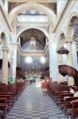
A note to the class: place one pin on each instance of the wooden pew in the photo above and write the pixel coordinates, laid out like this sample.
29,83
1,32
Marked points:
8,100
62,96
74,111
67,104
3,107
11,94
8,96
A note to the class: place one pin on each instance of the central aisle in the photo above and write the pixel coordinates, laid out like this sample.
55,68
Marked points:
31,104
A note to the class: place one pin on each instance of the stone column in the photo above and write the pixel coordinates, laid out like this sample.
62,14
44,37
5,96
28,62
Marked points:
14,61
53,61
70,61
5,66
60,62
69,56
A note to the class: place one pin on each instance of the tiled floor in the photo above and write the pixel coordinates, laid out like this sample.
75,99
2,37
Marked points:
32,104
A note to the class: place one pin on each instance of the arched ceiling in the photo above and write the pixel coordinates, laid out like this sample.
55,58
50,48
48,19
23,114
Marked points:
36,7
73,20
14,4
39,36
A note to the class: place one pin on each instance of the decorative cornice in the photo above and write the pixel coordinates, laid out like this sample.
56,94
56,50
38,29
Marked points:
5,49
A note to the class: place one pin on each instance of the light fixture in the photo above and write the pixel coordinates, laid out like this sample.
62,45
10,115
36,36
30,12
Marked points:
62,50
43,60
28,60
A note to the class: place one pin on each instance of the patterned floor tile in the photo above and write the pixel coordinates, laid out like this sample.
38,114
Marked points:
32,104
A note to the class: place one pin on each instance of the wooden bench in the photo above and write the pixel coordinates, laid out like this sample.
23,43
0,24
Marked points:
3,107
67,104
74,111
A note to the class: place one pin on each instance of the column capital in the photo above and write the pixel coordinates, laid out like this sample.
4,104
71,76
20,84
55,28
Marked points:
68,38
15,45
70,42
5,49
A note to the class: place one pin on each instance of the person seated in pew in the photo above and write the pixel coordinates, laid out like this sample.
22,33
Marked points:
71,90
76,92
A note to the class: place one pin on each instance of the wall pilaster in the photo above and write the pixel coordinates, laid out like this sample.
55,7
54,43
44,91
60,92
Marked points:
60,62
53,59
13,58
70,60
5,66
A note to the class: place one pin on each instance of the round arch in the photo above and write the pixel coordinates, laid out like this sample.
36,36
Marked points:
69,19
3,32
22,30
59,38
32,5
3,38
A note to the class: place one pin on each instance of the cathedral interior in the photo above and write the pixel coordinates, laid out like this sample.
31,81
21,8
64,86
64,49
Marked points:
38,59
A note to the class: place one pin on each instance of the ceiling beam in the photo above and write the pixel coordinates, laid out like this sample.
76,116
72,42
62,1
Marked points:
41,1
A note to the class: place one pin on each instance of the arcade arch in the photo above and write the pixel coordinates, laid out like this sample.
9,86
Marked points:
37,63
41,29
36,6
4,58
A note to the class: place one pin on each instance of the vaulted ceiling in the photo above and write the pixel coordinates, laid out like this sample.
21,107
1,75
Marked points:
39,37
52,5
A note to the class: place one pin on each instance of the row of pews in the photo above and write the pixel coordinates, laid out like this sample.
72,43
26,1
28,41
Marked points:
8,95
62,96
